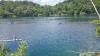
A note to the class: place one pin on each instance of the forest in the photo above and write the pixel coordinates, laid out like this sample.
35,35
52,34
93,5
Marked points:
31,9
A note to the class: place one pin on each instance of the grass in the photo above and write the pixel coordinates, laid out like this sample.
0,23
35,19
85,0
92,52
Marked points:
98,31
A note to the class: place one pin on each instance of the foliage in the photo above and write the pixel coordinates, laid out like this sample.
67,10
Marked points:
21,51
66,8
4,51
77,7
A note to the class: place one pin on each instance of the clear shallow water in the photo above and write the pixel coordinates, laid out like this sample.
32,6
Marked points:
51,36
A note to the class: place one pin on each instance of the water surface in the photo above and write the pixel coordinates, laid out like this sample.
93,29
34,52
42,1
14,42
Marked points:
51,36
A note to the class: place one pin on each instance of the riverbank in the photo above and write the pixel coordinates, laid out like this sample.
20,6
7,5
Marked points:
97,22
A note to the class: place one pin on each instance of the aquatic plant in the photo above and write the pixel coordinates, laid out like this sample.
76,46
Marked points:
21,50
4,51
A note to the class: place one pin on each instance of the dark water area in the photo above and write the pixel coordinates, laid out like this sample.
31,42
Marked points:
51,36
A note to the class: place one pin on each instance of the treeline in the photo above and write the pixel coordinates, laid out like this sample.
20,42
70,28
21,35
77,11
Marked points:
66,8
76,8
19,9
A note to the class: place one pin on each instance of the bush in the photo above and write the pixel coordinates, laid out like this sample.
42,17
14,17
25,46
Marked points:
4,51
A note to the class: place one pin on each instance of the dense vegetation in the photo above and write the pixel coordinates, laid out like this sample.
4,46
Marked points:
4,51
66,8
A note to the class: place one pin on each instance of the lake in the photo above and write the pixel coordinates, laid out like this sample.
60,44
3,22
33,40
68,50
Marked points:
51,36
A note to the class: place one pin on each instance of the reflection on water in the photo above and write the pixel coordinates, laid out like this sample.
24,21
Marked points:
51,36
